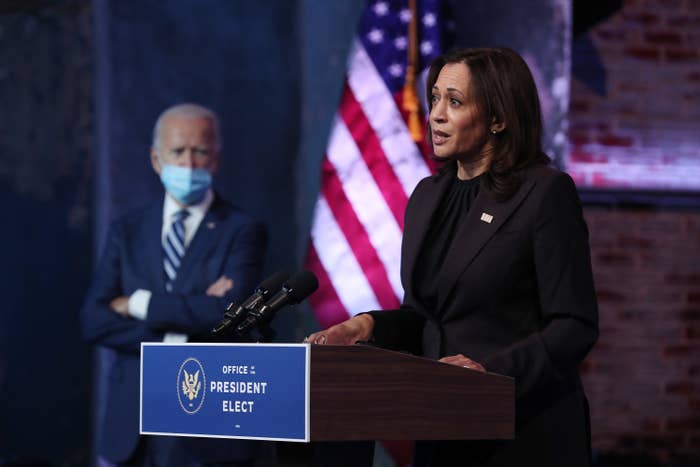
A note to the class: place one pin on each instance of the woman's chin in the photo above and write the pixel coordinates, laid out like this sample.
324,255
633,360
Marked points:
441,156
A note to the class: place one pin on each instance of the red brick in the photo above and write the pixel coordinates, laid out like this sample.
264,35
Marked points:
632,314
672,38
681,387
583,156
633,87
692,332
677,351
657,225
616,140
644,53
648,442
693,442
579,139
629,241
601,180
669,4
610,296
681,55
611,35
684,21
610,258
651,425
577,105
692,278
692,225
683,424
646,19
689,314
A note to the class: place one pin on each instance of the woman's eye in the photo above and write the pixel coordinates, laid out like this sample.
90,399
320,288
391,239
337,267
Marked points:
454,101
433,98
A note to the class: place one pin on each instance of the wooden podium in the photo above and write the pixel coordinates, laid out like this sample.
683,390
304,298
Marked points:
305,392
360,392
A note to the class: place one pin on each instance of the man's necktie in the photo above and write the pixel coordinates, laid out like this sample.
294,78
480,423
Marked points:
174,248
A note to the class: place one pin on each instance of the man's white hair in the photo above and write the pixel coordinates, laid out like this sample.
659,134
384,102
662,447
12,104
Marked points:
188,110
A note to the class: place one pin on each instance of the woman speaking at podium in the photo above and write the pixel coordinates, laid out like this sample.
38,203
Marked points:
495,264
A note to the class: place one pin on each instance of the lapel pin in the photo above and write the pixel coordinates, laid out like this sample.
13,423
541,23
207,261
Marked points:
486,217
211,225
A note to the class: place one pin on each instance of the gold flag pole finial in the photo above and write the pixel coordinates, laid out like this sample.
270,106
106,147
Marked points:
410,99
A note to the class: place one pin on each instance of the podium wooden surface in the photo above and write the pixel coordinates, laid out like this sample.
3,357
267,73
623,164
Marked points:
361,392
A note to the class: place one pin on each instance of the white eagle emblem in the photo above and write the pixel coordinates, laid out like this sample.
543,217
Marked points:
191,385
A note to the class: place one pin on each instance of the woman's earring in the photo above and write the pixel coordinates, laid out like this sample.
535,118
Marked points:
493,131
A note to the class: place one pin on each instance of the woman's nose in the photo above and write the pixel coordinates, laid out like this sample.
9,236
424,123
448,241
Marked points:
437,112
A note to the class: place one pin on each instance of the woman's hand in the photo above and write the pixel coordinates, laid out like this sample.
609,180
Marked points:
461,360
348,332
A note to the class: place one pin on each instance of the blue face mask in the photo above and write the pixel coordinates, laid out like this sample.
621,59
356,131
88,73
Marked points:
185,184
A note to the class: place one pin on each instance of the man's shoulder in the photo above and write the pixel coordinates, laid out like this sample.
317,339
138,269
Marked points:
232,215
229,212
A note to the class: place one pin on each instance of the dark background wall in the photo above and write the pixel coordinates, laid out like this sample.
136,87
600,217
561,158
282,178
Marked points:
81,83
46,159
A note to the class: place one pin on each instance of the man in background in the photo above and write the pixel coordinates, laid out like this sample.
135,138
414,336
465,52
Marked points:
166,274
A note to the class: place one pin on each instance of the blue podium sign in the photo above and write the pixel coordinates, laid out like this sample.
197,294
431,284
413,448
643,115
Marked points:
247,391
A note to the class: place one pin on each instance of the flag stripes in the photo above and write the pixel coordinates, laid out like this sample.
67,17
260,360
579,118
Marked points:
371,167
357,239
361,190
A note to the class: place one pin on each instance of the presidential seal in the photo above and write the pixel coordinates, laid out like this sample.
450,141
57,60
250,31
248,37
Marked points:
191,382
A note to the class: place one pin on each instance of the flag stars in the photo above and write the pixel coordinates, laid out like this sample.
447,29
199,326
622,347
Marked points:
401,43
395,70
426,47
375,36
380,8
429,20
405,15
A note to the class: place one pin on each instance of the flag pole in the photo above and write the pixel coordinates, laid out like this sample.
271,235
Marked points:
410,99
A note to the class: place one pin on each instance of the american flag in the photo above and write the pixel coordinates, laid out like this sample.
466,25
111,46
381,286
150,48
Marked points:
375,156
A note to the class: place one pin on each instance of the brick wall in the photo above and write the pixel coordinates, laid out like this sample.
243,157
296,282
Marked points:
636,104
643,376
635,107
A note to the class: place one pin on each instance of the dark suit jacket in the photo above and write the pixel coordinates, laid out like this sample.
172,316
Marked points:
515,294
227,242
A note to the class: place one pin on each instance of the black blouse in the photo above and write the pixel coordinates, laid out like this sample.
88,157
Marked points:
453,208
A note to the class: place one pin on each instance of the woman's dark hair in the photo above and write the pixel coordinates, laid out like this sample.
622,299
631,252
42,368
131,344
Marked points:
504,92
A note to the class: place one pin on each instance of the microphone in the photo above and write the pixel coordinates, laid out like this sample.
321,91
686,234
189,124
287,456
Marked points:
296,289
235,316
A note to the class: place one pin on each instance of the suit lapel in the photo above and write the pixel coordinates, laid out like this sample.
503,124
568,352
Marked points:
152,246
204,240
484,219
419,223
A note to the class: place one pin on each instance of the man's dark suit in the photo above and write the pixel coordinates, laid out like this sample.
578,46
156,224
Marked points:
515,294
228,243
